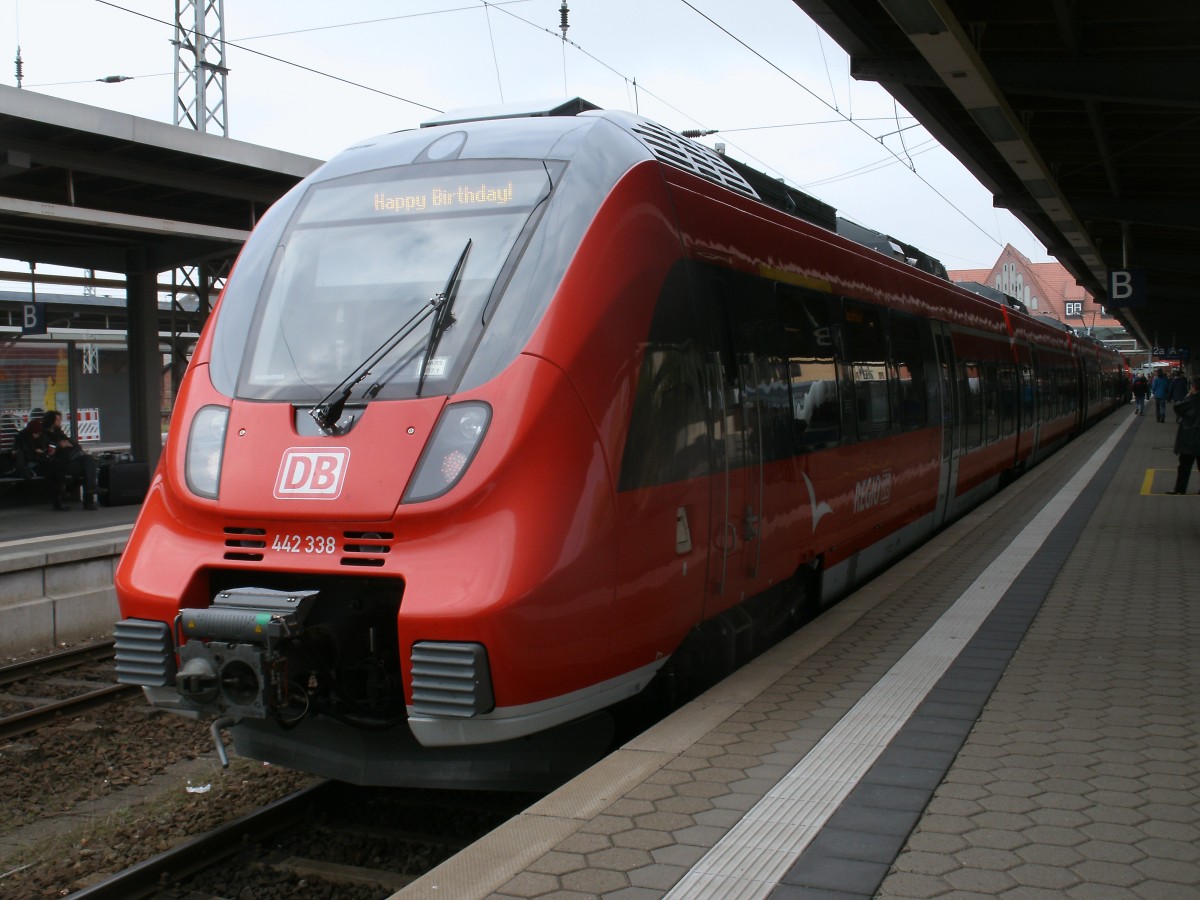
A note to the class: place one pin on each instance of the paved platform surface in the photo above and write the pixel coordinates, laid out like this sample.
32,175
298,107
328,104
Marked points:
1011,711
36,519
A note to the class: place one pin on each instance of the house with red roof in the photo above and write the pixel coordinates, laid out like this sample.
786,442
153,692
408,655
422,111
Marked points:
1046,289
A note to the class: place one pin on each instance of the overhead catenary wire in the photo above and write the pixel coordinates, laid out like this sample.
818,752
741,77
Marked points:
495,58
637,87
278,59
842,117
332,25
865,169
816,122
316,28
107,79
846,118
828,74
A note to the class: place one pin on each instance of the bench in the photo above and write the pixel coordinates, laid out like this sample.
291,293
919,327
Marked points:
11,484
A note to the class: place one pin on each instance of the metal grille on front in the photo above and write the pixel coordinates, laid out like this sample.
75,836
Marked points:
451,680
241,543
364,549
145,653
684,153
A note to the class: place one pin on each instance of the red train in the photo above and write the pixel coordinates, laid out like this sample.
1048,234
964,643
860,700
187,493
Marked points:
501,420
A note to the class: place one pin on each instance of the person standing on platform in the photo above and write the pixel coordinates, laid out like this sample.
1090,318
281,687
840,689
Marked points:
1187,438
1141,387
1160,387
1179,387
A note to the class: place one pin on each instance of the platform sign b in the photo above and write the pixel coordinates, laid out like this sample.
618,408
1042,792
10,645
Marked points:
33,318
1126,287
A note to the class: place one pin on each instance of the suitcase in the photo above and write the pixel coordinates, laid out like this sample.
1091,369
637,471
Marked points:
123,483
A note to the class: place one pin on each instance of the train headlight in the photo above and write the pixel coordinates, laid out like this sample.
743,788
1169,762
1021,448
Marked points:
451,447
205,447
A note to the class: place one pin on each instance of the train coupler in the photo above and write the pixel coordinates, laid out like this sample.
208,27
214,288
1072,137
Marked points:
233,654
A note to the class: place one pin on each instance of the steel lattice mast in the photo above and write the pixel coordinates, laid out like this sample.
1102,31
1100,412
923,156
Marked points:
200,69
200,74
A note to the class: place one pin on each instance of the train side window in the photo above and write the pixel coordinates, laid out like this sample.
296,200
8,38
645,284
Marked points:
729,420
812,367
1008,399
865,346
973,402
668,436
908,368
991,402
1026,396
763,371
1045,394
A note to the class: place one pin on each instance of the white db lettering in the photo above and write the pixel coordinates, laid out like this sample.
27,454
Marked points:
307,474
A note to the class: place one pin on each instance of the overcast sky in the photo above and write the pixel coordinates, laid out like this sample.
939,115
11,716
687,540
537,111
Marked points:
760,71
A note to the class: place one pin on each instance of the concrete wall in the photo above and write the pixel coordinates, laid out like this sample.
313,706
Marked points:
62,594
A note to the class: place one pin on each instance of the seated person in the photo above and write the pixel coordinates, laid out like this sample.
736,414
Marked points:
28,453
66,459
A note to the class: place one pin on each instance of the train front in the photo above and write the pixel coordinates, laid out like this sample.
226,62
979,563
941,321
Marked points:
347,554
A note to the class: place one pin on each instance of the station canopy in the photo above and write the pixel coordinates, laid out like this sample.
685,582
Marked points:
1082,118
89,188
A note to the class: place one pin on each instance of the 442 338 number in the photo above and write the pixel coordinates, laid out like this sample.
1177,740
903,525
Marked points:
303,543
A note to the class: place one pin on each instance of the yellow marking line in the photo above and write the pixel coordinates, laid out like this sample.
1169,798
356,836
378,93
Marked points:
1148,482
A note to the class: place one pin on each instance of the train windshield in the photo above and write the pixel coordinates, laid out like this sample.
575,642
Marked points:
367,256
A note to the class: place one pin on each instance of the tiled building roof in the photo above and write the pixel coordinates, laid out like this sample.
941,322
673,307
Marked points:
1046,289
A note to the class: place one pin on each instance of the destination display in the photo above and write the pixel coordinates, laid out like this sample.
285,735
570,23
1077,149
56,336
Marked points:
437,196
451,192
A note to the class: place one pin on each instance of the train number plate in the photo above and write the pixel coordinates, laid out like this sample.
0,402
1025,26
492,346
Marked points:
304,543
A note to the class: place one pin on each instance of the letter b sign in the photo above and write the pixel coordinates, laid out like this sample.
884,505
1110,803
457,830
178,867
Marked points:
33,318
1126,287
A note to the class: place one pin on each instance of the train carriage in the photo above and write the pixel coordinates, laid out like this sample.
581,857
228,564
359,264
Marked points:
501,421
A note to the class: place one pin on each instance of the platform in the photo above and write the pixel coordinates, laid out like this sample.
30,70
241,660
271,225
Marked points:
56,572
1013,710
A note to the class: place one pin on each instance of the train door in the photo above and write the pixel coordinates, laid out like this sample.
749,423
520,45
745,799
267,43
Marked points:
949,417
751,426
1027,408
754,381
1038,400
737,476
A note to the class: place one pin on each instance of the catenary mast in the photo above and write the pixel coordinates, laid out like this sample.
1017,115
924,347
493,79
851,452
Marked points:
200,75
200,69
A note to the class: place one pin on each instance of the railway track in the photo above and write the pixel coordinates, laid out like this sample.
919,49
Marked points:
37,691
369,843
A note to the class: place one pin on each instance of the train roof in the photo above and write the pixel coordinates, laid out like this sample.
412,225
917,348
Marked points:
890,246
527,110
994,295
1054,323
556,128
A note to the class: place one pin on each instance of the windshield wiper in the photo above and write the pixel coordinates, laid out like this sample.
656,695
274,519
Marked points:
443,319
327,414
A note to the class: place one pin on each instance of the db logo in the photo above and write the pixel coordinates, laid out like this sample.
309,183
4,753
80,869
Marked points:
308,474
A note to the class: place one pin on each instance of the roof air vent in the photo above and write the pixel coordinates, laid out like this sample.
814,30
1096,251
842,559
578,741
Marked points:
682,153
